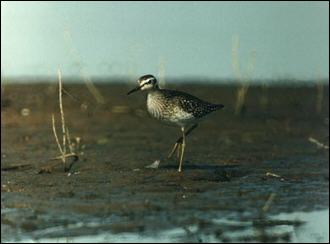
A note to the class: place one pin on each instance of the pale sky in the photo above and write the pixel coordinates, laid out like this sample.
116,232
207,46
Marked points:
179,39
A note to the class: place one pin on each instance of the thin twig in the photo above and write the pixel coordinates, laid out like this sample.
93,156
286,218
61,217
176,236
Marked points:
273,175
319,97
243,89
270,174
69,140
70,95
65,156
269,202
74,52
62,114
318,144
56,138
92,88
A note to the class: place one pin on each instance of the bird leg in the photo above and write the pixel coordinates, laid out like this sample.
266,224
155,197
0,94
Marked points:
178,151
178,142
183,145
175,147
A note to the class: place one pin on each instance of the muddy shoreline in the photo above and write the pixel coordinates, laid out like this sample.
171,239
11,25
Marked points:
234,165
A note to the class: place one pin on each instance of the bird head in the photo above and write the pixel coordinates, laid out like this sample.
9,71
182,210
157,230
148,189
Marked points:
146,82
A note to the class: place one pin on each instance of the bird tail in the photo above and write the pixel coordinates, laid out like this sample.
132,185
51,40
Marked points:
214,107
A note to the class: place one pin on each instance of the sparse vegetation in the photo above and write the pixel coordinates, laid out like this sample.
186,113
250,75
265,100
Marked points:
67,148
244,78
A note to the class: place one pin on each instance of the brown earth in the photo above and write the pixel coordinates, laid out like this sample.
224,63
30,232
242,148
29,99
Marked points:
233,163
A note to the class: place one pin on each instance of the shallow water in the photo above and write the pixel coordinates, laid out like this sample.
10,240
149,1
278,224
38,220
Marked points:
297,227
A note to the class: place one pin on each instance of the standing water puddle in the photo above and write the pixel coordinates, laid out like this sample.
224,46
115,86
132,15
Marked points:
292,227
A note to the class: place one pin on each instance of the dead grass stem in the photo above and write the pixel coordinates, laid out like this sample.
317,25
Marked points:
66,141
243,78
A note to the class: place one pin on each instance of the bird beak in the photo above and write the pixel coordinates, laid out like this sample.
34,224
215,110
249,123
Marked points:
134,90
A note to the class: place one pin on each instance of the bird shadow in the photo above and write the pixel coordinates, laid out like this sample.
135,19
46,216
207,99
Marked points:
199,166
209,172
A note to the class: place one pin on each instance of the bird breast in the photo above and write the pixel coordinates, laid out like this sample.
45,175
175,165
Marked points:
156,106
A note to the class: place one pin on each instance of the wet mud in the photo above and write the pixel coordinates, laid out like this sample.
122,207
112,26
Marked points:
238,172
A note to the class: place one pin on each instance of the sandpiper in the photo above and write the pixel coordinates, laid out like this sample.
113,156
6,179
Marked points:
174,107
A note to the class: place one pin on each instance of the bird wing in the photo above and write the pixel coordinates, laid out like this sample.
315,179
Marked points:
190,103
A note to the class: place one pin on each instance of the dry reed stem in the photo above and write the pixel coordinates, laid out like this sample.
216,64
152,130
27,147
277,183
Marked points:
64,156
62,114
241,91
240,100
56,139
319,98
319,93
69,140
318,144
66,141
92,89
269,202
74,52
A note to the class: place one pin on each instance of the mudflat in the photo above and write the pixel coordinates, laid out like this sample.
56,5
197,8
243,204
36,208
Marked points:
239,169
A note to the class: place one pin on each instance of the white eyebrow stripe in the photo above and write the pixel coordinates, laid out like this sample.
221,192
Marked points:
146,81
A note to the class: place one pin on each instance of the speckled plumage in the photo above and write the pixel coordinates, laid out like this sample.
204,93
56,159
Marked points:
177,107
